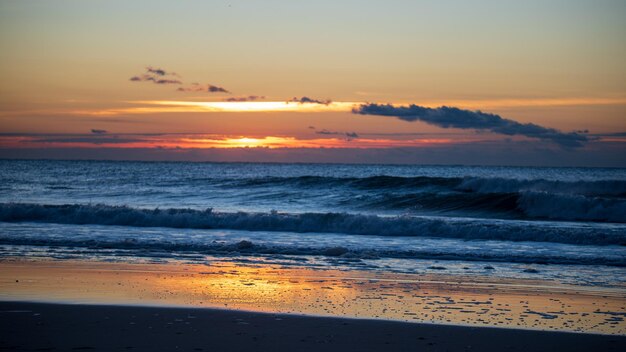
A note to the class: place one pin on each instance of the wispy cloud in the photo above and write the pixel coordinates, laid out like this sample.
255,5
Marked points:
155,80
327,132
196,87
348,135
161,76
307,100
157,76
160,72
451,117
248,98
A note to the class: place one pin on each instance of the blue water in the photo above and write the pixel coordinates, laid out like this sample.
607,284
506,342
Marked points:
563,224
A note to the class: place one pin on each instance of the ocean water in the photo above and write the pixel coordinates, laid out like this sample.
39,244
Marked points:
562,224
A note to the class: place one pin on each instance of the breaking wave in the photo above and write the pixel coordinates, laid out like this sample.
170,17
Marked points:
346,223
611,188
603,201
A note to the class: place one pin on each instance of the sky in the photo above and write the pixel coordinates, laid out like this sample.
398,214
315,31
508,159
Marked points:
537,83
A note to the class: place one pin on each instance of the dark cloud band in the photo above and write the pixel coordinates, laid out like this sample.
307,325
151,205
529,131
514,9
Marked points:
451,117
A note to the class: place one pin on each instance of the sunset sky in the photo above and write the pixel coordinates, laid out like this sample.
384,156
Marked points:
522,82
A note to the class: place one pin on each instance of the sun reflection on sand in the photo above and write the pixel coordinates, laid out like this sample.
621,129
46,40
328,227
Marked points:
254,288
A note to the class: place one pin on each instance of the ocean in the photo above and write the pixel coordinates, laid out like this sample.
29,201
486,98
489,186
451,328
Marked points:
566,225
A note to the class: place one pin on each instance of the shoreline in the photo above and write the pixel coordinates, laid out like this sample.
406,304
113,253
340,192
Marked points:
432,299
48,326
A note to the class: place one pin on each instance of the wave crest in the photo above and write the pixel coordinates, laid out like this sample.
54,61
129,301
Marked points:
357,224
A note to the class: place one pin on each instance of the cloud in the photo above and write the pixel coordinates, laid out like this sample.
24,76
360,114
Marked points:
95,131
167,81
86,140
156,76
155,80
451,117
349,135
248,98
327,132
215,89
160,72
307,100
196,87
161,76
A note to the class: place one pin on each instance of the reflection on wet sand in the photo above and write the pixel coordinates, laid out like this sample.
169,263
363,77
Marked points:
360,294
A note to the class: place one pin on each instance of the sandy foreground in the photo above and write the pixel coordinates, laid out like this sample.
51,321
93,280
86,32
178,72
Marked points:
226,306
59,327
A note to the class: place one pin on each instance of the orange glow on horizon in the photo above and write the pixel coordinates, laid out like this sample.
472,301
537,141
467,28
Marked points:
217,142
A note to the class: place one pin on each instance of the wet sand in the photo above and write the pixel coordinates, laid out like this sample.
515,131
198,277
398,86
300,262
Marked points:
60,327
439,299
